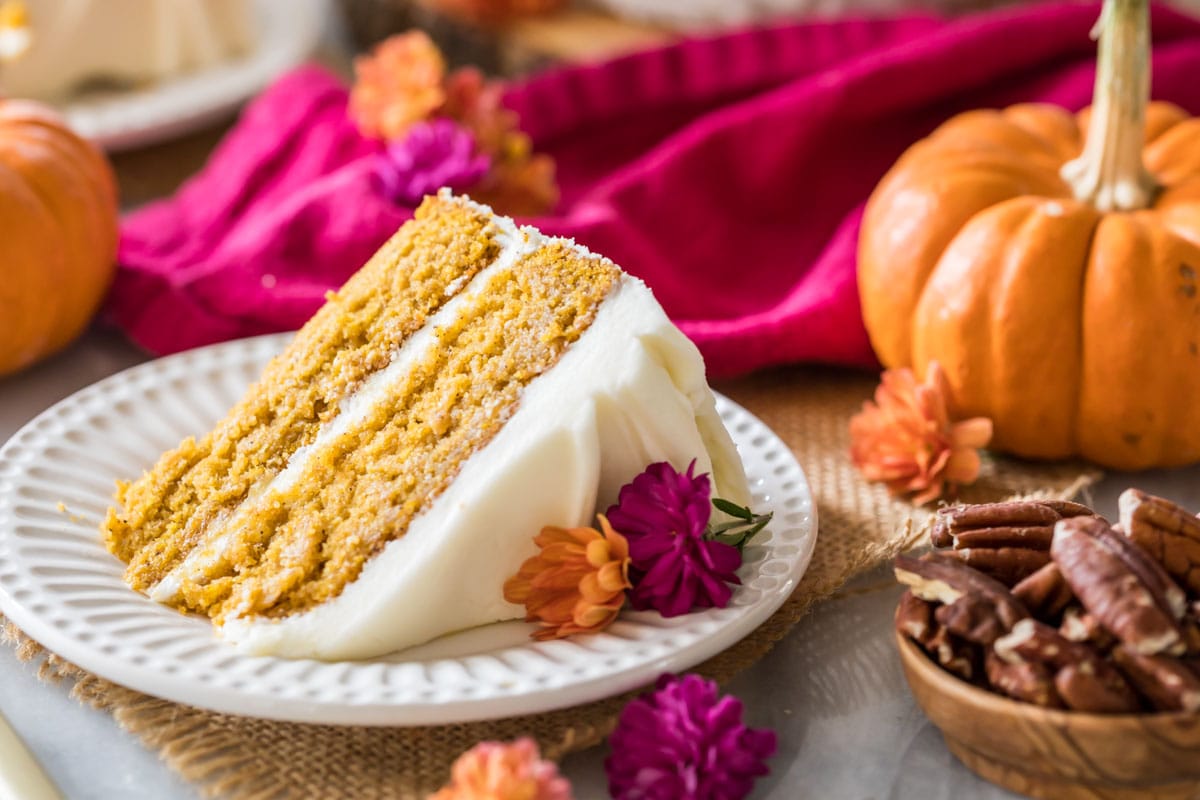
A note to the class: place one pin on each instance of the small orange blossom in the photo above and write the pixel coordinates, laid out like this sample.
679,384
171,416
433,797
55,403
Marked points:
400,83
907,440
15,36
498,771
478,104
523,184
576,584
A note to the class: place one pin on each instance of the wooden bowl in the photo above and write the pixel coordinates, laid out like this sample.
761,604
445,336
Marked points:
1064,755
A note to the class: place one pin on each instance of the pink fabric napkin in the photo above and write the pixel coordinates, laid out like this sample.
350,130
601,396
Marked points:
729,173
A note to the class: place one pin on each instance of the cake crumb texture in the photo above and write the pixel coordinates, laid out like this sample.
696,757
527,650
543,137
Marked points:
161,516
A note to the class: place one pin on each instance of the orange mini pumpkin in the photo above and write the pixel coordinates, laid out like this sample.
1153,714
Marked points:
1050,263
58,233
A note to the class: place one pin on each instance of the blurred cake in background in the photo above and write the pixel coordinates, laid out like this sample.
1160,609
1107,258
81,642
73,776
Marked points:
77,43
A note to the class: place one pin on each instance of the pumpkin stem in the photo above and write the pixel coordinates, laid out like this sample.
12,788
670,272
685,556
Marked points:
1109,173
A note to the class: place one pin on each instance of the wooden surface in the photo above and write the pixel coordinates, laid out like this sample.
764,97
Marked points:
1057,755
157,171
574,36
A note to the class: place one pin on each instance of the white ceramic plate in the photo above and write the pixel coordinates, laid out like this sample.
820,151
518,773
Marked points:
60,585
288,32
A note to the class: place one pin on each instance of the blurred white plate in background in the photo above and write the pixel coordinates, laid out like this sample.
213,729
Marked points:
288,33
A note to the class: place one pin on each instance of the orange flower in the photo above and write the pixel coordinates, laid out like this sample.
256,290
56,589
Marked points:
15,36
576,584
397,85
477,104
497,771
906,439
520,182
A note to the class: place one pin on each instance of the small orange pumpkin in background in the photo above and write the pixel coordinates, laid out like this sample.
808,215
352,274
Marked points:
1050,263
58,233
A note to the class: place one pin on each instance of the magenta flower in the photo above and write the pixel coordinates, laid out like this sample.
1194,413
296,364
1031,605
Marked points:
683,742
664,515
431,155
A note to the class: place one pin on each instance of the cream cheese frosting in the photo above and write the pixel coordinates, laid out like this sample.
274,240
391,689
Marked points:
630,392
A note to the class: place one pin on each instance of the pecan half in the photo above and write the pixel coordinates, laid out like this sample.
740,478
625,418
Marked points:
1191,634
1009,565
1036,538
1021,523
1034,641
914,618
956,656
1167,683
1045,593
937,577
1079,626
972,617
1083,689
959,518
1119,585
1152,575
1166,531
1090,682
1029,682
1068,508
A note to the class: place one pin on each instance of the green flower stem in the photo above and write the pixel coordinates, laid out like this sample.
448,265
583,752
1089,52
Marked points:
738,532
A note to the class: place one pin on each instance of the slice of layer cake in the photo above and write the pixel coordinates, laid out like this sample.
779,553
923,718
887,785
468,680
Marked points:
473,383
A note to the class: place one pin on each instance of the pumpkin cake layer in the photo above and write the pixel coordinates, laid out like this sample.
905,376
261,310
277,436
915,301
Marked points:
517,381
300,543
166,513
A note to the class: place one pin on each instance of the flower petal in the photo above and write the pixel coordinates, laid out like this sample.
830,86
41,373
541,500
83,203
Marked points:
975,432
906,439
684,741
963,466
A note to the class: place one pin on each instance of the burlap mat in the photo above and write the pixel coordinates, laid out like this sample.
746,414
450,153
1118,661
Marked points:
860,526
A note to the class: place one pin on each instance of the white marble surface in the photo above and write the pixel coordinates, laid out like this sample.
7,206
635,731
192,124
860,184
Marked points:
832,689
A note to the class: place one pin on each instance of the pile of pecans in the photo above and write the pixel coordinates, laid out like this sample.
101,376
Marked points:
1045,602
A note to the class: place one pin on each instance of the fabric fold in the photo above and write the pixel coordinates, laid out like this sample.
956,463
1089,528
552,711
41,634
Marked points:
729,173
